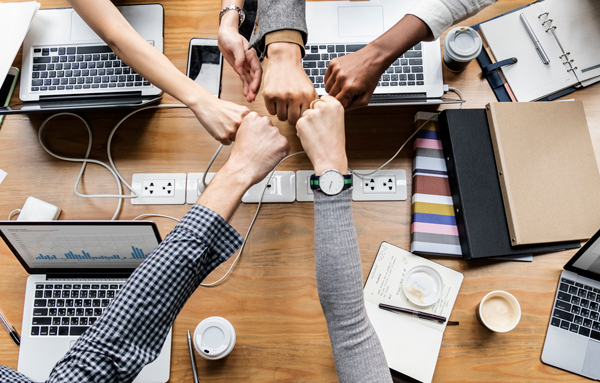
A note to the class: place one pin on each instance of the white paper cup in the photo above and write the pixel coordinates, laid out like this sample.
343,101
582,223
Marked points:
461,46
499,311
214,338
426,282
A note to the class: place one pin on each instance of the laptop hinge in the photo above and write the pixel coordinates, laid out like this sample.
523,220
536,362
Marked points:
398,96
88,275
91,96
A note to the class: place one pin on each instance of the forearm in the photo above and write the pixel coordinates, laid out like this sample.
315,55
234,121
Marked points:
356,349
105,19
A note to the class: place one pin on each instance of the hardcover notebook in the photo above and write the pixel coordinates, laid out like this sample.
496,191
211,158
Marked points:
569,33
547,170
476,193
411,345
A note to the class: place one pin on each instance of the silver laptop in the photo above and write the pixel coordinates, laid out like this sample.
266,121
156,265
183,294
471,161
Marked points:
77,268
337,28
573,337
67,66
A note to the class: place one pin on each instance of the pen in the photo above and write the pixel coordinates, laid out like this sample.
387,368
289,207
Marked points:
11,330
418,314
192,358
536,42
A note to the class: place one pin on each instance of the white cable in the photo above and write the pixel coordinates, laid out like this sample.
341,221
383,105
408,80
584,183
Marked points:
155,215
361,175
210,164
112,168
12,213
251,224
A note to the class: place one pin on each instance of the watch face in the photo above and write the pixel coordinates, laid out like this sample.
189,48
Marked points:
331,182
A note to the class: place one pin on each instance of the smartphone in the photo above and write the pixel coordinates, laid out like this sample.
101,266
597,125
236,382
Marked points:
205,64
8,87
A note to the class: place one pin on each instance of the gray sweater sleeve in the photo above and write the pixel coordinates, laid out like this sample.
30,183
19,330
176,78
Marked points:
356,349
276,15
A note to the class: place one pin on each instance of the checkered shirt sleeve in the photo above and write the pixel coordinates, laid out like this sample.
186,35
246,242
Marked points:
131,332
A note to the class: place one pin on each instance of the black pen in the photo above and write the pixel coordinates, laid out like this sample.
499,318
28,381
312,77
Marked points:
11,330
418,314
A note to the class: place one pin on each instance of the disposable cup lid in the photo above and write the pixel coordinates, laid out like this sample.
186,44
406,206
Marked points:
214,338
463,44
428,280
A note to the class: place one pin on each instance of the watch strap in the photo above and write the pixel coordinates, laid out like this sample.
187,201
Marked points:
314,182
232,7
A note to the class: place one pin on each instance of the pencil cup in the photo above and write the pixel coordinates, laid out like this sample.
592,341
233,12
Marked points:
461,46
214,338
499,311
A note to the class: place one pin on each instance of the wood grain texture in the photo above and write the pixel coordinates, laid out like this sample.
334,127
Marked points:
271,297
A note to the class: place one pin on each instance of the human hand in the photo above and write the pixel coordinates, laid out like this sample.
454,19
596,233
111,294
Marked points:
287,90
352,78
234,48
321,131
259,146
220,118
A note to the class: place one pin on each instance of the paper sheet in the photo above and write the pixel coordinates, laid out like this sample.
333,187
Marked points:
15,19
2,175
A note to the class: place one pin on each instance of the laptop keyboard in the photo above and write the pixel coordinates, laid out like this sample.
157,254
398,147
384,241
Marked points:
62,309
577,309
56,69
407,70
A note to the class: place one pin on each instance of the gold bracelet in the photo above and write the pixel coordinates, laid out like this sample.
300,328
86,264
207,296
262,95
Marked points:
233,8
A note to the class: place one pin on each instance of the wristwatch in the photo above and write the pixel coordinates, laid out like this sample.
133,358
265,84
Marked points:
331,182
233,8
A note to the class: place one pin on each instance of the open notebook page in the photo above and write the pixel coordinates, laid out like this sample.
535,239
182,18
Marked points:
578,30
529,78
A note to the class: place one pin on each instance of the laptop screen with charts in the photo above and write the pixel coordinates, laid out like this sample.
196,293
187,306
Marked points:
66,66
77,268
338,28
573,337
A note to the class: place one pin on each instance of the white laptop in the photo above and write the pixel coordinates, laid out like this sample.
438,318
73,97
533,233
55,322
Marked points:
338,28
67,66
77,268
573,337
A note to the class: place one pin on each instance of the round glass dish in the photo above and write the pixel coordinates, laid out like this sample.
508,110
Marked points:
423,285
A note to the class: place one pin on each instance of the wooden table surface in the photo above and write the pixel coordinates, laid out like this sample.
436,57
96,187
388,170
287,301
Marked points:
271,297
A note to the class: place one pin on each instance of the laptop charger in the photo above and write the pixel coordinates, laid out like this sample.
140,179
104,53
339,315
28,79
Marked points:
38,210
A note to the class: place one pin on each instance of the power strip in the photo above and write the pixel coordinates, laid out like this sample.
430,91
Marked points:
159,188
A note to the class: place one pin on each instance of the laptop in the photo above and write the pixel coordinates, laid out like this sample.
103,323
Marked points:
573,337
77,268
337,28
66,66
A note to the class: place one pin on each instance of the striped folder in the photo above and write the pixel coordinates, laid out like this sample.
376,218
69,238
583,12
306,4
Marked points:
433,229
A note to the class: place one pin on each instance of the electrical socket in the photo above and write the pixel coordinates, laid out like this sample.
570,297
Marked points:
195,187
159,188
385,185
303,191
281,188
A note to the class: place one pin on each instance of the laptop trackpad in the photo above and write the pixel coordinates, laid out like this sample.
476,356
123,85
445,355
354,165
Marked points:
591,367
80,30
360,21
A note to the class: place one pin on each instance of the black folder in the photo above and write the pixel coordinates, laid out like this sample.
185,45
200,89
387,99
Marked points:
476,193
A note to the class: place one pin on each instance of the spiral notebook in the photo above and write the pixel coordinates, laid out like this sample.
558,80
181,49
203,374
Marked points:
569,33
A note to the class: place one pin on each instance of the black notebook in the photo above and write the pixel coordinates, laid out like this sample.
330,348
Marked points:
476,193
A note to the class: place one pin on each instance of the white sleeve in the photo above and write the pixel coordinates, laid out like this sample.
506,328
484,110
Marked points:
439,15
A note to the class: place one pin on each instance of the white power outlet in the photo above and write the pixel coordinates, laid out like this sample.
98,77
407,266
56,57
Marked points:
281,188
385,185
195,187
159,188
303,191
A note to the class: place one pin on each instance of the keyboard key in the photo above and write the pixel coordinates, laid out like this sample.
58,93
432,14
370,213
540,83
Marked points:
38,293
565,325
591,296
594,315
330,48
573,290
60,303
63,81
567,281
406,69
42,60
398,69
74,321
419,76
585,303
40,67
579,284
314,72
574,328
417,47
389,70
354,47
555,322
582,293
48,82
39,303
116,64
595,335
108,64
576,310
79,312
340,48
412,54
411,77
77,330
312,57
89,312
587,287
45,52
83,321
52,88
56,321
594,306
39,321
78,302
415,62
51,303
578,320
62,331
562,315
416,69
112,56
100,64
75,294
35,330
322,72
305,65
65,321
87,303
97,312
53,330
71,312
332,56
44,330
587,323
585,313
40,312
321,64
596,326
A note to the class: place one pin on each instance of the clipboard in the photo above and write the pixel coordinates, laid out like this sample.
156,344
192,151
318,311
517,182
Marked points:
491,73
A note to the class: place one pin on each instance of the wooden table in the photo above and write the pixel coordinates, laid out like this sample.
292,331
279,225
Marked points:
271,297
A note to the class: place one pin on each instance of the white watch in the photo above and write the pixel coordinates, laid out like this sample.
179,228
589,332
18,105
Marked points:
331,182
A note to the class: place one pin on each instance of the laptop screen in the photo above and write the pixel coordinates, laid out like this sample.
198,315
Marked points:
80,245
587,260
